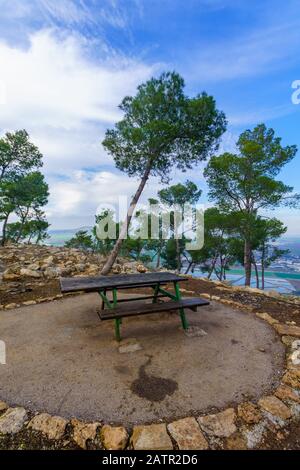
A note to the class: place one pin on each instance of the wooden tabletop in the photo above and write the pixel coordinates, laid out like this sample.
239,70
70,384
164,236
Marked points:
90,284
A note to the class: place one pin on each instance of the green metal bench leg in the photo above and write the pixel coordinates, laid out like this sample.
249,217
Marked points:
184,321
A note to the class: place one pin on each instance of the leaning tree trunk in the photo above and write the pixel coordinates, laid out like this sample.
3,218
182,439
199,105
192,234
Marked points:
189,267
3,241
247,262
123,232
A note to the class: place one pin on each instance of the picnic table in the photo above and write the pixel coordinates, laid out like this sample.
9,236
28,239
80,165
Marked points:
112,284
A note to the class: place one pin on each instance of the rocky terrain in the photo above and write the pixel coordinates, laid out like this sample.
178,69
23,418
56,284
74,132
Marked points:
29,272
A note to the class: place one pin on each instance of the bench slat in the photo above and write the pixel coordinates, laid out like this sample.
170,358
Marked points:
144,309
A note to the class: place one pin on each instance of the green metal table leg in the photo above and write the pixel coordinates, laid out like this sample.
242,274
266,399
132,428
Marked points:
117,329
118,321
106,302
184,321
156,290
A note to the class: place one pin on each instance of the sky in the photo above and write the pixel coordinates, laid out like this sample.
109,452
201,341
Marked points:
65,66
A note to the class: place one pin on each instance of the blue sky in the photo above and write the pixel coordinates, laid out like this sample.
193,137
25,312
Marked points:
65,66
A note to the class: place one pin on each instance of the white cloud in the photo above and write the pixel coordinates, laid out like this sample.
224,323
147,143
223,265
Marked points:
82,193
52,84
66,102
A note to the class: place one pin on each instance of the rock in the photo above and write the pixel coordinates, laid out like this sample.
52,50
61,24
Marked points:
275,406
3,406
295,357
141,268
272,293
10,306
254,435
292,378
114,438
205,296
29,273
12,420
10,277
29,302
66,271
129,345
48,261
288,340
187,434
215,297
249,412
266,317
51,273
52,426
287,330
33,267
117,269
286,394
151,437
221,424
295,344
83,432
194,331
252,290
236,442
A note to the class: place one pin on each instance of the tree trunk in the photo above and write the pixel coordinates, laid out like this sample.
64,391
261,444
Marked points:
23,220
189,267
158,259
263,269
247,262
123,232
212,267
4,231
178,254
256,274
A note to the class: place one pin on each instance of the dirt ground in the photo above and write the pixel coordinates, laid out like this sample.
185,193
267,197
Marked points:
62,359
284,311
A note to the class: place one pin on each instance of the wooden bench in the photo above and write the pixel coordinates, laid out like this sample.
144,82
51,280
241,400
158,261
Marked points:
144,309
105,284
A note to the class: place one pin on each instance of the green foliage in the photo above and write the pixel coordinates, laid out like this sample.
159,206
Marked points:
169,253
22,190
220,244
82,240
245,183
30,193
175,197
105,245
18,155
34,230
180,194
163,129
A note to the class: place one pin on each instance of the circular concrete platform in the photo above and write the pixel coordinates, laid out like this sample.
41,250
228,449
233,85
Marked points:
63,360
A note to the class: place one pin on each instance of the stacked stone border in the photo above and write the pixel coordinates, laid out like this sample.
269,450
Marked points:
242,427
